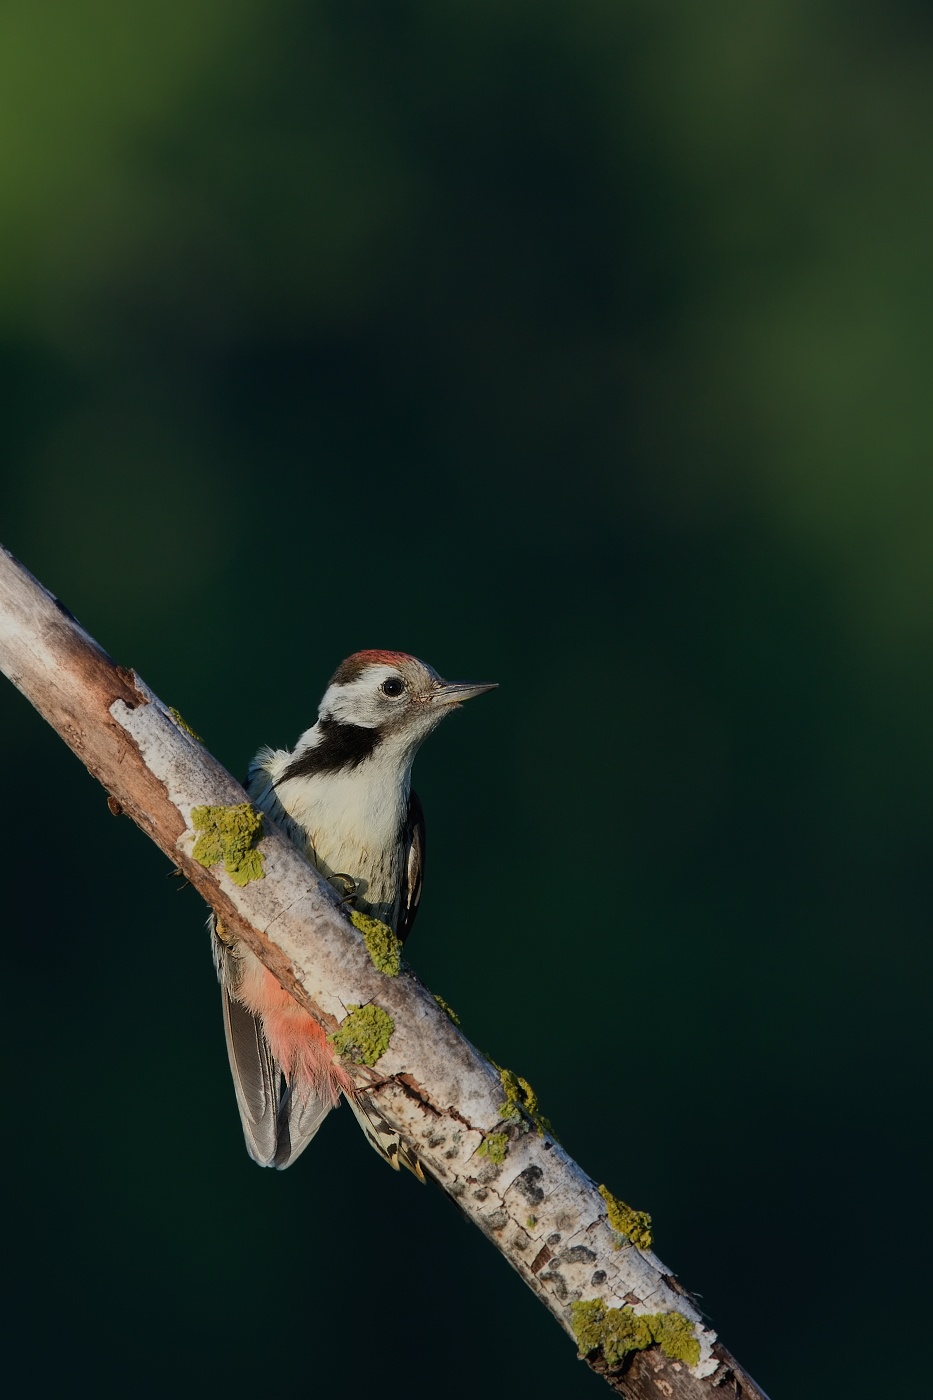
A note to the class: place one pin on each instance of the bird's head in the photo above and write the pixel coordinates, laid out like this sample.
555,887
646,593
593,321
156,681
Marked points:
379,706
392,693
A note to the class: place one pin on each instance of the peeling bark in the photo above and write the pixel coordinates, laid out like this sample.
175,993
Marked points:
431,1085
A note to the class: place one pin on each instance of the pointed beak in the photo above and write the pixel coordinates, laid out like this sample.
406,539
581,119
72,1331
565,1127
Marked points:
455,692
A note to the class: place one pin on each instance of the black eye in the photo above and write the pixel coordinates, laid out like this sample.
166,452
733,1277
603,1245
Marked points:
393,686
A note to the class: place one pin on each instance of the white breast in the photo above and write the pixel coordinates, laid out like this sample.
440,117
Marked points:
347,822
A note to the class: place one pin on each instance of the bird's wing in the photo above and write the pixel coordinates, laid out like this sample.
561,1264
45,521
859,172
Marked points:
256,1076
300,1116
381,1136
414,866
276,1125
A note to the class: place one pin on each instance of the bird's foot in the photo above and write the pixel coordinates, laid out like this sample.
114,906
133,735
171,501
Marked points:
349,886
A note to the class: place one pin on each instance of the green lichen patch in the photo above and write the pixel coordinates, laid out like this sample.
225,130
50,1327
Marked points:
381,943
521,1102
229,834
495,1146
676,1337
448,1009
635,1225
619,1331
183,725
364,1036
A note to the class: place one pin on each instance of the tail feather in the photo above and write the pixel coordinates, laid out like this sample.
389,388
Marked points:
256,1080
277,1124
279,1120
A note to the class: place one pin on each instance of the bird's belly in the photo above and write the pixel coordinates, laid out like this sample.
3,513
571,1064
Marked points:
351,828
375,873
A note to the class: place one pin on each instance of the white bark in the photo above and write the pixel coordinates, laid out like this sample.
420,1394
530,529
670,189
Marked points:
537,1206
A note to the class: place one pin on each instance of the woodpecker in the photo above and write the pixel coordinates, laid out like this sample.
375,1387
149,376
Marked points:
343,796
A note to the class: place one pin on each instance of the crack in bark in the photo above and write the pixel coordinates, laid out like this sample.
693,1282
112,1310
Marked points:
418,1094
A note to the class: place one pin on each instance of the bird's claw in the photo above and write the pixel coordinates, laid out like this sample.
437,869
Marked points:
350,887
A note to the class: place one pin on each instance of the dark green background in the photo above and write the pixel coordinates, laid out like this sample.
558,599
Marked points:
581,347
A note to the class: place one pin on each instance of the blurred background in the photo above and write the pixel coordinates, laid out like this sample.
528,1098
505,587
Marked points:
583,348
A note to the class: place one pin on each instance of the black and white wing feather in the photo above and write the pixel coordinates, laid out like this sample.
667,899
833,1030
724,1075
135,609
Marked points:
413,871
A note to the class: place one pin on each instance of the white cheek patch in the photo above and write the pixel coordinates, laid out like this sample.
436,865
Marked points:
361,702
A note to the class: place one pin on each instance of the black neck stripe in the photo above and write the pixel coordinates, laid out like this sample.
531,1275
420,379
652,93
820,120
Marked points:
340,746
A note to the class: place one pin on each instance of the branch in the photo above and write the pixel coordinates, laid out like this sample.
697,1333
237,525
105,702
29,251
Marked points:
474,1128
